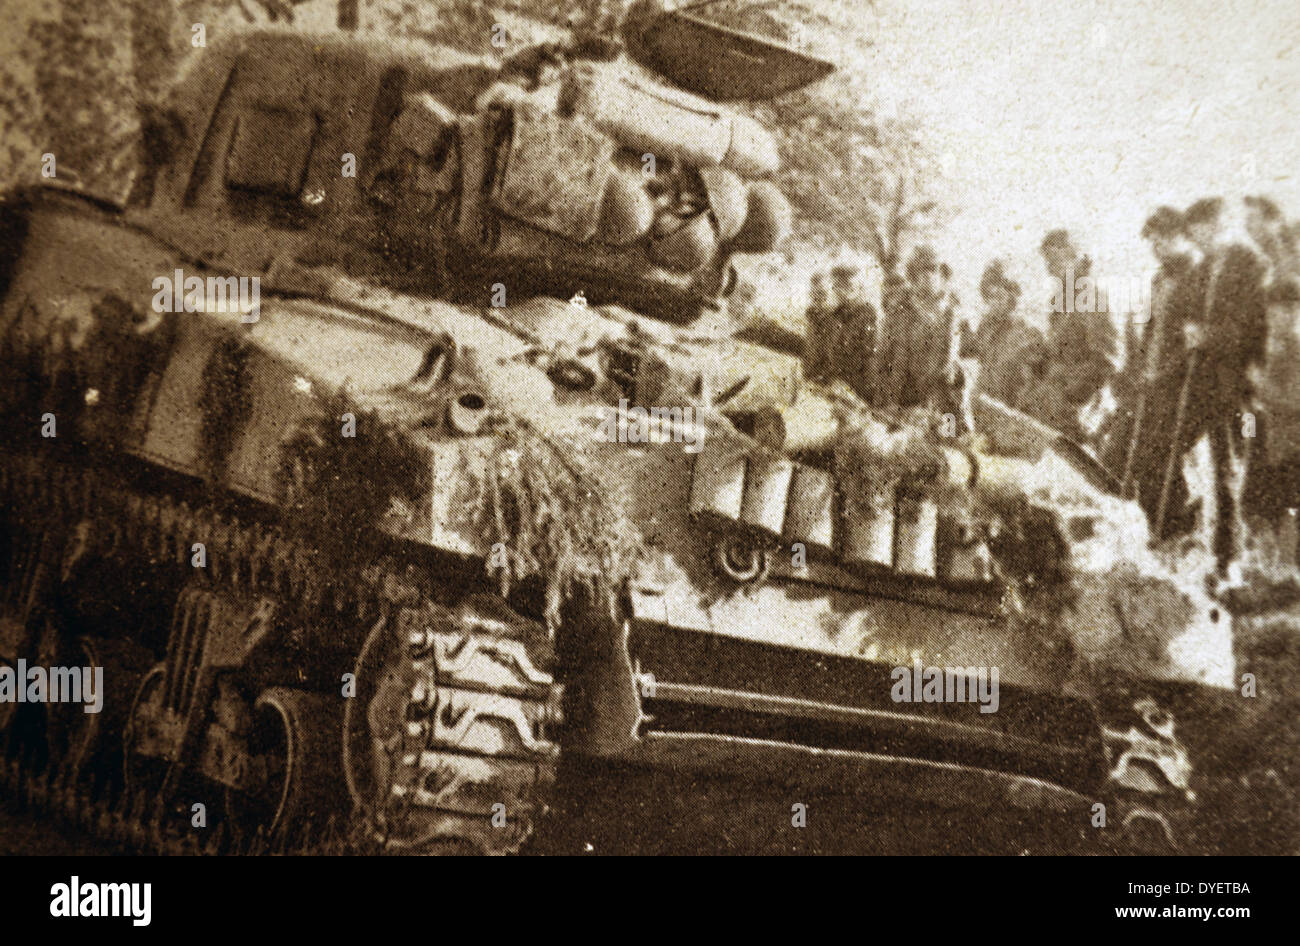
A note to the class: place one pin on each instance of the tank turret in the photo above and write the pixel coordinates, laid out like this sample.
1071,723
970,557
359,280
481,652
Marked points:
568,173
377,448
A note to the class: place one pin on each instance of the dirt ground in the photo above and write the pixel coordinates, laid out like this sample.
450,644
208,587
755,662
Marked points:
1247,781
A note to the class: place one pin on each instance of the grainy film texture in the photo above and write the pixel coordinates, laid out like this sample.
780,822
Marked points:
815,426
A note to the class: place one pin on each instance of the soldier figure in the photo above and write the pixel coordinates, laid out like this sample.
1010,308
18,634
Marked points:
1082,350
1228,328
855,322
1153,378
994,353
918,365
1273,483
820,335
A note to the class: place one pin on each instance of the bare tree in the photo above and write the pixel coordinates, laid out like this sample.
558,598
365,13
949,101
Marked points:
854,175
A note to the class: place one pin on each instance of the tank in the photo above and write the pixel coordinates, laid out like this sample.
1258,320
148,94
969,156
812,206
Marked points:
379,449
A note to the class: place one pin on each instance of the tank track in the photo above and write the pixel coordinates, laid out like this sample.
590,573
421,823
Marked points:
1149,782
472,761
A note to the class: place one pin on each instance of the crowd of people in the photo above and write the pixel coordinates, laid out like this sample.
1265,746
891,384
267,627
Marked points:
902,355
1208,370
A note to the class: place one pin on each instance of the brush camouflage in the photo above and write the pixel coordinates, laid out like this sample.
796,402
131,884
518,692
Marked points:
366,561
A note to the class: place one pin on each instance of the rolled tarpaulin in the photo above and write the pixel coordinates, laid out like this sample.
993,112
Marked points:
626,209
728,199
686,248
666,123
768,220
752,152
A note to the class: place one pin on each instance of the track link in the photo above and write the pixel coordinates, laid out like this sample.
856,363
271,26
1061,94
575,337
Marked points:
466,733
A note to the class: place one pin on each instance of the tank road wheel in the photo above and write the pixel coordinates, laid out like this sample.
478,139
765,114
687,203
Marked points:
374,728
295,742
32,728
141,773
88,744
446,742
71,732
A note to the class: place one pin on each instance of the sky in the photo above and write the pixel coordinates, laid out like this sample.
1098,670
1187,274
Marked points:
1089,114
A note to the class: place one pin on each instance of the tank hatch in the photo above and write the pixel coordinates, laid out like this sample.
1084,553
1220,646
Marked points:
688,45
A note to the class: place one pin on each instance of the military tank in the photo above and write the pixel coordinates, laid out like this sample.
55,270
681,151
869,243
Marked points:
379,449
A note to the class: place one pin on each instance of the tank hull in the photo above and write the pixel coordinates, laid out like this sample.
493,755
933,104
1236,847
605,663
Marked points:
373,555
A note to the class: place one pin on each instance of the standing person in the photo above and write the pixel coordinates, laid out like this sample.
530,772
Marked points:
820,336
1153,378
1273,483
954,389
918,365
1082,350
995,354
1228,327
855,323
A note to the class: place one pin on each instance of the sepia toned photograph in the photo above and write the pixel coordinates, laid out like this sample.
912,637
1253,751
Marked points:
649,427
